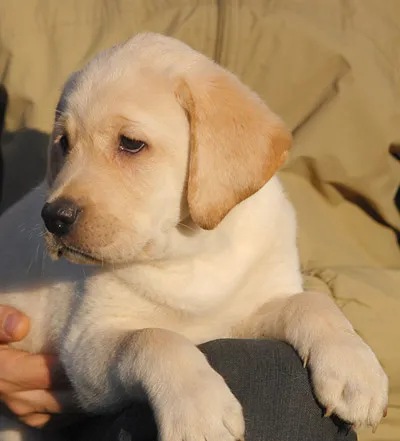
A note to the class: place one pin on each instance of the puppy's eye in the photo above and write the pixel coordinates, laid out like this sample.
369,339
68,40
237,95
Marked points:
131,145
64,144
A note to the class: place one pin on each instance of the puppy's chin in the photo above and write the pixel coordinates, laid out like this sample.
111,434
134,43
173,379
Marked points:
57,249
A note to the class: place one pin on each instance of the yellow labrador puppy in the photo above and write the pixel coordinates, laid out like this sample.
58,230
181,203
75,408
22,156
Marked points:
162,171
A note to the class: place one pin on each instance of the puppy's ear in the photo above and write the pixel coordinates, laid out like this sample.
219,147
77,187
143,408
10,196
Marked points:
237,144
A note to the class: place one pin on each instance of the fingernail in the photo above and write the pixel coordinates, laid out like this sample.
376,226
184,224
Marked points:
11,324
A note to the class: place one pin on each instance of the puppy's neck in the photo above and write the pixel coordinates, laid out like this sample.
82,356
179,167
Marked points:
200,270
248,223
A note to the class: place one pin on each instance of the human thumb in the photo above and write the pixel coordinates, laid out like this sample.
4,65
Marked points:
14,325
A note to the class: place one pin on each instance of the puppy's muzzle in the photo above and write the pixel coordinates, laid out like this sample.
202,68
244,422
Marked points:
60,216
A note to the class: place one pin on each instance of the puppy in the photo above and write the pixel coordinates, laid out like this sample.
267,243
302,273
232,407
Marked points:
162,174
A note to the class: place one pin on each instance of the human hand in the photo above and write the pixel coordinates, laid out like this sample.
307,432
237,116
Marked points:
33,387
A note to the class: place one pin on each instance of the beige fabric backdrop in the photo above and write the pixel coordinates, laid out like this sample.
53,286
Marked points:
330,68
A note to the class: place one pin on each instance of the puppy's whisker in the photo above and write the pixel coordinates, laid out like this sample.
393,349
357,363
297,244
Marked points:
33,231
43,263
33,259
37,252
28,270
21,228
181,224
37,228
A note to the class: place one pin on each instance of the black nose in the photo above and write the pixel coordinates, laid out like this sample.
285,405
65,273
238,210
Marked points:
59,216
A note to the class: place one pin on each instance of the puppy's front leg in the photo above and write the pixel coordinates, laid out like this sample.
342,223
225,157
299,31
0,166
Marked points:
190,400
347,377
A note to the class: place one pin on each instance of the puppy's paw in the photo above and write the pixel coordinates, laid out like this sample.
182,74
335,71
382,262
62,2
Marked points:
348,379
201,409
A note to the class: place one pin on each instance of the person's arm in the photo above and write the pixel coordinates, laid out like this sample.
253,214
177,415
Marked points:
33,387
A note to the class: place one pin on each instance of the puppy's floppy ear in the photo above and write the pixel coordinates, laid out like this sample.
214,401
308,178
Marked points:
237,144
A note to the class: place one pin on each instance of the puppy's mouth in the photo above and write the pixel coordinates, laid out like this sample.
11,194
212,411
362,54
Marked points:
77,256
58,248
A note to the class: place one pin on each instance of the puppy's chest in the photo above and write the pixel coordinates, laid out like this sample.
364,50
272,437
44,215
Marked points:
117,306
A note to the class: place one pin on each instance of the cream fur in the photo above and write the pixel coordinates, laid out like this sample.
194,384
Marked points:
166,284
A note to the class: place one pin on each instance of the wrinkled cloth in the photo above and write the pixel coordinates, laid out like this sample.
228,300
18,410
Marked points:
329,68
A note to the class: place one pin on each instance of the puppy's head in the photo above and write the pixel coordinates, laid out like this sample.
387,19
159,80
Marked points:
145,135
